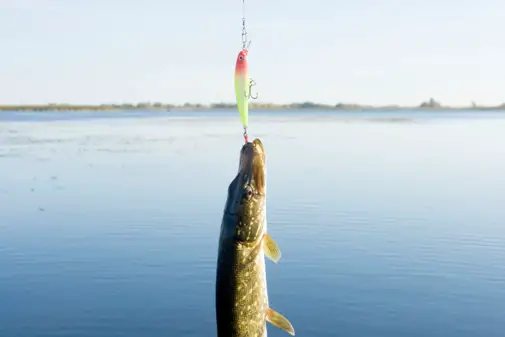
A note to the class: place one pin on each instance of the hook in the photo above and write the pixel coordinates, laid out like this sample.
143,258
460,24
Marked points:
252,83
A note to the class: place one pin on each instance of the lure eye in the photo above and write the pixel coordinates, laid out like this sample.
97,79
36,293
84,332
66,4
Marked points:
240,57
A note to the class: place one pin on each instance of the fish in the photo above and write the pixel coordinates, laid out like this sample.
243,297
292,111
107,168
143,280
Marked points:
242,87
242,305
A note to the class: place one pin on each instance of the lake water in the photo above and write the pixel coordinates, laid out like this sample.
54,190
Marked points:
390,223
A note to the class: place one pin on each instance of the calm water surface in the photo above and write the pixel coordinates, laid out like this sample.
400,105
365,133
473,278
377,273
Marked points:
390,223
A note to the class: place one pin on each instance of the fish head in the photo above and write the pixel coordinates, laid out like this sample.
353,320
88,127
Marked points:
246,201
242,59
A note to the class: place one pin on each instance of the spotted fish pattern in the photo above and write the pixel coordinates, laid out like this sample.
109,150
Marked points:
242,307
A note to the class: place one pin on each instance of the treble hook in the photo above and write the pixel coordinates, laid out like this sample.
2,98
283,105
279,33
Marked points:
252,83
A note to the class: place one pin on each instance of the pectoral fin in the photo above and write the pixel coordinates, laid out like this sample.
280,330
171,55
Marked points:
280,321
272,251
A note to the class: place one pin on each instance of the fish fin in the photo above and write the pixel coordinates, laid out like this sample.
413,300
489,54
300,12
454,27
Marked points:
280,321
272,251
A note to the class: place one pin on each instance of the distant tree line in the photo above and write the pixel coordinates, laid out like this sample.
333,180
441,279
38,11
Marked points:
429,104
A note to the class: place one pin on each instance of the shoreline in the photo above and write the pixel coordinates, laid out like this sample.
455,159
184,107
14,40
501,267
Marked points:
426,106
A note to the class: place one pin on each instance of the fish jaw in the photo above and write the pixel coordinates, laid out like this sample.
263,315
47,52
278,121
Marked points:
247,195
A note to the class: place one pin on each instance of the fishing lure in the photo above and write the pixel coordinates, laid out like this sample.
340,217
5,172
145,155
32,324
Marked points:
242,90
243,83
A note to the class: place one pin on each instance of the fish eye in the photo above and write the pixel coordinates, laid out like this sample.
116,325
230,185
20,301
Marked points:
248,192
241,57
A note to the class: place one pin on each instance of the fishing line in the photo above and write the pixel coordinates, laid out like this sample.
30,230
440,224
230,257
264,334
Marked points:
244,31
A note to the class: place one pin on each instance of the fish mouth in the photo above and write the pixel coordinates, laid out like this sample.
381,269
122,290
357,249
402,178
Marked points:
250,181
253,165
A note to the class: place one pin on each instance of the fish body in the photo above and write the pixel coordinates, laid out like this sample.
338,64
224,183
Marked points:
242,86
242,306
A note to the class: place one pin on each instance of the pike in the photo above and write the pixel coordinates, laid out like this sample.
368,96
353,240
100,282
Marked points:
242,307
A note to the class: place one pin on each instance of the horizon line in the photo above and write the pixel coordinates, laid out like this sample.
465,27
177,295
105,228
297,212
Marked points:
156,105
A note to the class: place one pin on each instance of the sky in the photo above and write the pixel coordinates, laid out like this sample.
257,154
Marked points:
326,51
